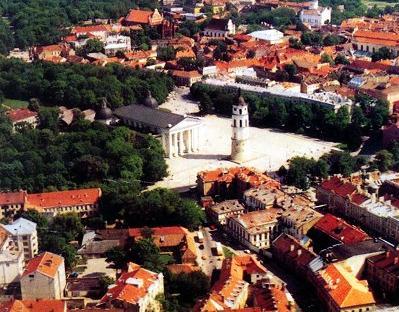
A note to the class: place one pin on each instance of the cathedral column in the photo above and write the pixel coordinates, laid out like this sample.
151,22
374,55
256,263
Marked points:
181,143
190,140
170,152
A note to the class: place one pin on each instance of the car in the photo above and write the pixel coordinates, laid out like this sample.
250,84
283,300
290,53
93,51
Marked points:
247,251
74,275
203,257
201,247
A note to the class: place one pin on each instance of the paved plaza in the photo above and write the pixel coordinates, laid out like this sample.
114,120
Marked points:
268,148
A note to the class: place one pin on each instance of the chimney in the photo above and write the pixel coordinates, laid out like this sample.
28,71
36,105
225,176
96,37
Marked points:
396,260
292,247
299,252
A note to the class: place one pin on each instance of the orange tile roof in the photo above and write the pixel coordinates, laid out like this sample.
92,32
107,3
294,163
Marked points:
46,263
185,74
139,16
13,198
382,38
344,288
42,201
89,29
128,292
20,114
33,306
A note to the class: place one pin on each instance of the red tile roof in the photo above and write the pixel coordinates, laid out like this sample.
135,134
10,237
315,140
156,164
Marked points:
340,230
46,263
63,198
89,29
20,114
15,198
33,306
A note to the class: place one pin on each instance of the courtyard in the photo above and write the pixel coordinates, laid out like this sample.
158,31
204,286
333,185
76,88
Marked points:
268,148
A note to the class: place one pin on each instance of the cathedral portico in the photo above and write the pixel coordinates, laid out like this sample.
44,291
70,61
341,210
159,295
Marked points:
178,142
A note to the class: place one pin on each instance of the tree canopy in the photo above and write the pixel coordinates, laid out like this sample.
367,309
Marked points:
77,85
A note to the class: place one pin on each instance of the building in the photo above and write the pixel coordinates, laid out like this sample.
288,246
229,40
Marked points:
44,277
377,213
315,16
298,220
288,251
270,36
141,17
11,259
117,43
240,136
185,78
135,290
232,182
174,240
230,292
24,234
382,272
22,116
340,290
221,211
179,134
256,229
331,230
84,202
33,306
11,202
371,41
99,32
220,28
260,198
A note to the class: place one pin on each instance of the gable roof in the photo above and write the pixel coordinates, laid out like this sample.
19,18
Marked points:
344,288
149,116
41,305
41,201
12,198
340,230
21,226
20,114
46,263
217,24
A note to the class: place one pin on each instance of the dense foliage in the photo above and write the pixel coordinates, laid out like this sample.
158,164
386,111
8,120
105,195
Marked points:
291,115
45,21
55,235
152,208
87,154
82,86
279,17
302,171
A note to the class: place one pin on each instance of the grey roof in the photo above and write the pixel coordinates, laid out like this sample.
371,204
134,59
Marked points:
343,251
21,226
149,116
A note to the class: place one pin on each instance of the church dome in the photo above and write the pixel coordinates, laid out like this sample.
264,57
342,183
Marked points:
150,101
104,113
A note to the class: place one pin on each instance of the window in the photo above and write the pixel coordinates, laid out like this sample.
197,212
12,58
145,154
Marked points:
235,123
240,123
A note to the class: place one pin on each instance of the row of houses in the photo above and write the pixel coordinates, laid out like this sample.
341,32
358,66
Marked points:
84,202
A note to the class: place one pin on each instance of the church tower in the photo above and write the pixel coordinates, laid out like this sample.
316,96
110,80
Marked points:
240,124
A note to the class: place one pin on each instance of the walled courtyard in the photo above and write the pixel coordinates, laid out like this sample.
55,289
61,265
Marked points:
268,148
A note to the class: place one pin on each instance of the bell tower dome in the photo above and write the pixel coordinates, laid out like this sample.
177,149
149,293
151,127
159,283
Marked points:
240,135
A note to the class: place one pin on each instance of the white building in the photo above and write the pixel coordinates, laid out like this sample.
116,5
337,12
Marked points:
23,233
240,124
220,28
315,16
271,36
11,259
44,277
179,134
117,43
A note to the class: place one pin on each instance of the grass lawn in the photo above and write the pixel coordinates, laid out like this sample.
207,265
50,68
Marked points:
10,103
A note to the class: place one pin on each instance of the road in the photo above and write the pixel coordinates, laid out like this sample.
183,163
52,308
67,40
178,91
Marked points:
207,260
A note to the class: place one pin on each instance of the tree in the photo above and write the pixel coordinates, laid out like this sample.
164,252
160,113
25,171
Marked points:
341,59
188,287
331,40
325,58
104,281
206,104
118,257
166,53
291,70
382,54
384,160
68,225
91,46
312,38
147,254
34,104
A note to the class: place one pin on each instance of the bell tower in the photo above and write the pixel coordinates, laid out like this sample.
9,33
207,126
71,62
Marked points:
240,124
